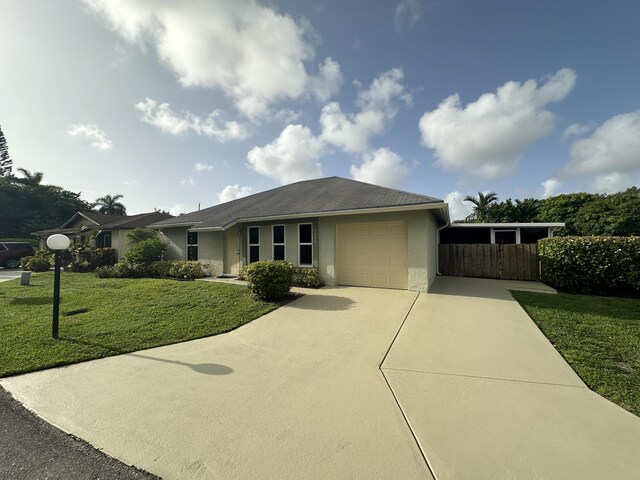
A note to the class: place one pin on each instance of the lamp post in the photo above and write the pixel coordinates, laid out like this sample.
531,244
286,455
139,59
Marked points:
57,243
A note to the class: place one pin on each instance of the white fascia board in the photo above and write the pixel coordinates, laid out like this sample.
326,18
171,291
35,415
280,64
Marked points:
508,225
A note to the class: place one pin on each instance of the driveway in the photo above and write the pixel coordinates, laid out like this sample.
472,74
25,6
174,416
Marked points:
9,274
294,394
488,397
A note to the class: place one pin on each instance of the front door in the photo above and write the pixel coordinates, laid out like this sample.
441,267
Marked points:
232,252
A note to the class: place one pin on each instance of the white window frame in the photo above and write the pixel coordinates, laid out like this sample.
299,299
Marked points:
249,244
306,243
494,230
274,244
187,244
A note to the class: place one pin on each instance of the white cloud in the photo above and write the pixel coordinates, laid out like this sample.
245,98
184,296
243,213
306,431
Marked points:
187,181
201,167
232,192
550,187
381,167
613,182
378,107
289,158
614,147
488,137
576,130
97,137
458,208
249,51
176,209
407,13
162,117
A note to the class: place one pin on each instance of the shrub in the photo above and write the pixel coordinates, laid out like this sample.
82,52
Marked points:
42,261
138,235
84,258
592,264
79,266
161,268
186,270
269,280
307,277
146,251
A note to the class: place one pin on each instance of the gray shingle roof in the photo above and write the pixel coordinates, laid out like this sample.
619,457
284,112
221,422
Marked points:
331,194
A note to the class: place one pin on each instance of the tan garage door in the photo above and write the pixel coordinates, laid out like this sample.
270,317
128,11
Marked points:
372,254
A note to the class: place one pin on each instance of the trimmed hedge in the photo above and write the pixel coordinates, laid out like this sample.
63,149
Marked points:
87,259
270,279
162,268
591,264
307,277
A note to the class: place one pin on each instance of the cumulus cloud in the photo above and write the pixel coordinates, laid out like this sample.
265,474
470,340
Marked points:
161,116
613,182
202,167
96,137
407,13
378,105
576,130
458,208
550,187
614,147
249,51
381,167
293,156
232,192
487,137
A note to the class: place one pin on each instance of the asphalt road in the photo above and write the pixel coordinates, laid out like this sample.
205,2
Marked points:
32,449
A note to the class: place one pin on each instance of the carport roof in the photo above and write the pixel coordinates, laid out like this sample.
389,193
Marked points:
310,197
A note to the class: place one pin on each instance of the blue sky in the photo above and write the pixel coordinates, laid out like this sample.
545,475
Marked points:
178,103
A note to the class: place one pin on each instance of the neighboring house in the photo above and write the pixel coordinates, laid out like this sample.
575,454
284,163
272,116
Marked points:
353,232
107,231
502,233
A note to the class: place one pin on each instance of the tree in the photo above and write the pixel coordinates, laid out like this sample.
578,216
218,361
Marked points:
109,204
481,206
6,164
30,178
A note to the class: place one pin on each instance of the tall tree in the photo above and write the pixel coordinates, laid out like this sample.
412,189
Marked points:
109,204
6,164
30,178
481,207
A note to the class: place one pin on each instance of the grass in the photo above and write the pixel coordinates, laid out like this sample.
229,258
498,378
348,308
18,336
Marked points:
104,317
598,336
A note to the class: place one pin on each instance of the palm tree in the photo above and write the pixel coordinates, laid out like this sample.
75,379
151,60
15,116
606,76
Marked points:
482,203
30,178
527,209
109,204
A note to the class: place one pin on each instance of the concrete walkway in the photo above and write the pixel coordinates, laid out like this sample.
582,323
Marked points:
295,394
488,397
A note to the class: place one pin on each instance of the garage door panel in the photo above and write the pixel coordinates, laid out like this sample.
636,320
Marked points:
372,254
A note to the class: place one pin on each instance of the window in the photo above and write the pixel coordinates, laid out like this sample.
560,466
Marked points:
192,245
305,245
254,244
104,240
278,242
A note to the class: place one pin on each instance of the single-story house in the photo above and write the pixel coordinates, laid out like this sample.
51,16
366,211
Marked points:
354,233
106,231
497,233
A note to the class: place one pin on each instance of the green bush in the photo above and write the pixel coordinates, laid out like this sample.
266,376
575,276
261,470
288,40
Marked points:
42,261
592,264
146,251
84,258
307,277
187,270
269,280
138,235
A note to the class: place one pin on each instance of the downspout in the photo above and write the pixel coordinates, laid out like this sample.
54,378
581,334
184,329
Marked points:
448,222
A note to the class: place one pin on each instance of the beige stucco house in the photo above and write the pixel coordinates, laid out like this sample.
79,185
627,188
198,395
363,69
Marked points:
354,233
105,231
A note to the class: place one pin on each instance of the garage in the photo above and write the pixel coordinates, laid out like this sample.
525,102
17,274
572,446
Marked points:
372,254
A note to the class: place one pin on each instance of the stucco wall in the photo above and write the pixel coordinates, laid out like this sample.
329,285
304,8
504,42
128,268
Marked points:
432,249
421,227
211,251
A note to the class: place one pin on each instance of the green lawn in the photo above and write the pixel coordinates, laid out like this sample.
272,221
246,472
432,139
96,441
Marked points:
598,336
104,317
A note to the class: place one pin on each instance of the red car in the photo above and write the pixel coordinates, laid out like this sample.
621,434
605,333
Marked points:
12,252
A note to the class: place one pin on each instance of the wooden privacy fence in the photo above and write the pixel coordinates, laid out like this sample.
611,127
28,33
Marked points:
506,261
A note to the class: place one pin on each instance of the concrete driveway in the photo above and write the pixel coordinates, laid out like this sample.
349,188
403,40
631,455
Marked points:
9,274
295,394
488,397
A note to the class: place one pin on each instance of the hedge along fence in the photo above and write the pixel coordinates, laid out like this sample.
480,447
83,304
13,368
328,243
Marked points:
591,264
